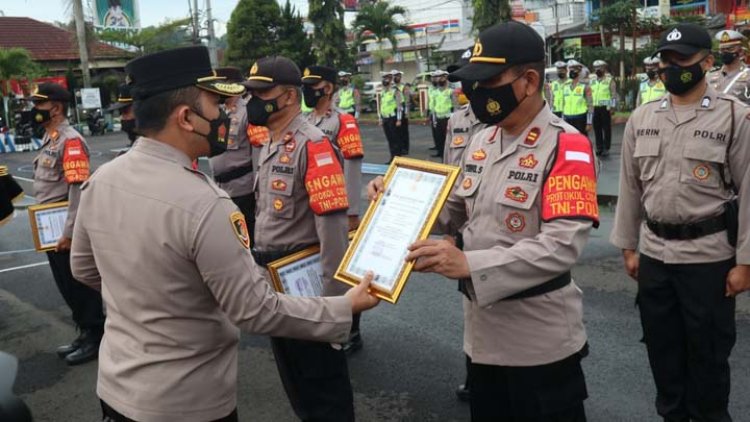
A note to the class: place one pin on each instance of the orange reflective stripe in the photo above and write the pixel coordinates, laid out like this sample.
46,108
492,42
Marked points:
75,161
324,179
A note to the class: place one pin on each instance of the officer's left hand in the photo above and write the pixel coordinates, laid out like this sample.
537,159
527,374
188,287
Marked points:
738,280
588,128
439,256
63,244
398,123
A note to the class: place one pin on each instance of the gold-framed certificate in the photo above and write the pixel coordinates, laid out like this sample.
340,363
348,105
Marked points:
47,224
403,213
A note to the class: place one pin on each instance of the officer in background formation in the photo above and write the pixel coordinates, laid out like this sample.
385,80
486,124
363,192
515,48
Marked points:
652,88
124,105
556,88
604,99
347,96
577,110
60,168
170,349
302,201
430,98
10,192
525,358
683,203
390,114
442,102
233,169
462,125
405,104
733,77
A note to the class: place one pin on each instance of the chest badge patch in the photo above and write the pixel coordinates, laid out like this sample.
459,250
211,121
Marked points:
516,193
285,159
291,145
532,136
528,162
479,155
467,183
515,222
701,172
240,228
458,140
278,204
278,184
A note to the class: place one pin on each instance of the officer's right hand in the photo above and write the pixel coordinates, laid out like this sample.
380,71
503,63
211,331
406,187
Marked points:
375,187
360,295
631,263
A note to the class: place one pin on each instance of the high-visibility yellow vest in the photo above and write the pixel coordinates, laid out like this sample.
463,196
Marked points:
346,99
388,103
443,103
305,108
403,97
557,87
601,93
652,92
574,99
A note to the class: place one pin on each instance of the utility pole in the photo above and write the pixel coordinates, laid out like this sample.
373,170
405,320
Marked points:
196,24
81,35
211,36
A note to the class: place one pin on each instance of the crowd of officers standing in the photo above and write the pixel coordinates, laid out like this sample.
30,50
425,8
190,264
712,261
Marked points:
178,258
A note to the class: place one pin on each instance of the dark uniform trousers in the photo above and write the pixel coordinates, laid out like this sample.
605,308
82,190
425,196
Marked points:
246,204
439,129
578,122
314,374
602,129
546,393
111,415
689,331
392,135
85,302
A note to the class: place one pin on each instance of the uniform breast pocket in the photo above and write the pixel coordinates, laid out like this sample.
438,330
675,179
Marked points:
515,202
45,168
281,189
234,136
701,163
467,189
646,155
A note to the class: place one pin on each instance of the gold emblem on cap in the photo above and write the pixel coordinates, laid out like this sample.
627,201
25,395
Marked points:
254,69
307,72
493,107
725,36
477,49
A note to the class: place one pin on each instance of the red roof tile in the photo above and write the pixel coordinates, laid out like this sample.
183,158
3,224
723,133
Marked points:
47,42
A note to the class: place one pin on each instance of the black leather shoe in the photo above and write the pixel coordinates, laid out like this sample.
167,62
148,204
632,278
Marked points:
433,148
67,349
88,351
462,392
355,343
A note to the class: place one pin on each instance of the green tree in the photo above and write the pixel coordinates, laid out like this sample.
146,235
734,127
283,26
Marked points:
489,12
329,36
379,19
251,32
15,63
292,41
170,34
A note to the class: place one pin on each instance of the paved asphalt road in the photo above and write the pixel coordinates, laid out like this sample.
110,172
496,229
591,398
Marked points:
412,358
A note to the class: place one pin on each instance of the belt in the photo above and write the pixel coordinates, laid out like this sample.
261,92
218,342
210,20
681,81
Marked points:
687,231
548,286
263,258
234,174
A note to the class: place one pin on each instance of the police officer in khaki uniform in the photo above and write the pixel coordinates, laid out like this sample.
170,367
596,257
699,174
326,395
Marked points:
526,204
734,76
301,201
171,253
684,170
59,169
233,169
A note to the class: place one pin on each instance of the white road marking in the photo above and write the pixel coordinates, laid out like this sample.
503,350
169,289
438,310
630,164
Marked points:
23,266
24,179
17,251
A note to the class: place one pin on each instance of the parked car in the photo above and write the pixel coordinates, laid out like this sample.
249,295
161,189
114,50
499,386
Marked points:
367,96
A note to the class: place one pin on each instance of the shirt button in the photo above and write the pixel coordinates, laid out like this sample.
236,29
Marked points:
483,277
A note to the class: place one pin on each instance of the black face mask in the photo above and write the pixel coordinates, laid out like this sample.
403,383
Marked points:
397,79
562,75
39,117
599,73
260,110
128,126
679,80
467,87
434,83
217,136
312,96
728,58
386,82
493,105
573,74
651,74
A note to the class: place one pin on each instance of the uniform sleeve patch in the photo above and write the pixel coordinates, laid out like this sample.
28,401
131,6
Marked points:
349,139
75,161
324,179
239,225
570,188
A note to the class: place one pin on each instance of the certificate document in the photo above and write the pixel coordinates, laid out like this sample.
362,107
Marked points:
47,224
405,211
300,274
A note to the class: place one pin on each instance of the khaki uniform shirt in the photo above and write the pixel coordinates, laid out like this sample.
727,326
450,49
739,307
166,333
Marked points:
50,182
462,125
736,83
239,153
284,220
330,124
509,249
670,172
159,239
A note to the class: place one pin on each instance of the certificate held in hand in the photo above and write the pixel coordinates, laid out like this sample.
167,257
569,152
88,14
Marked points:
403,213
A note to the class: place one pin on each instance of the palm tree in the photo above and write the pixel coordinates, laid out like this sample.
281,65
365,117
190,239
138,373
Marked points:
379,18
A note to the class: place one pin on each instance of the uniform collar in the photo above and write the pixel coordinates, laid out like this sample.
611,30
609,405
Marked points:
163,151
54,133
707,102
531,135
291,128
